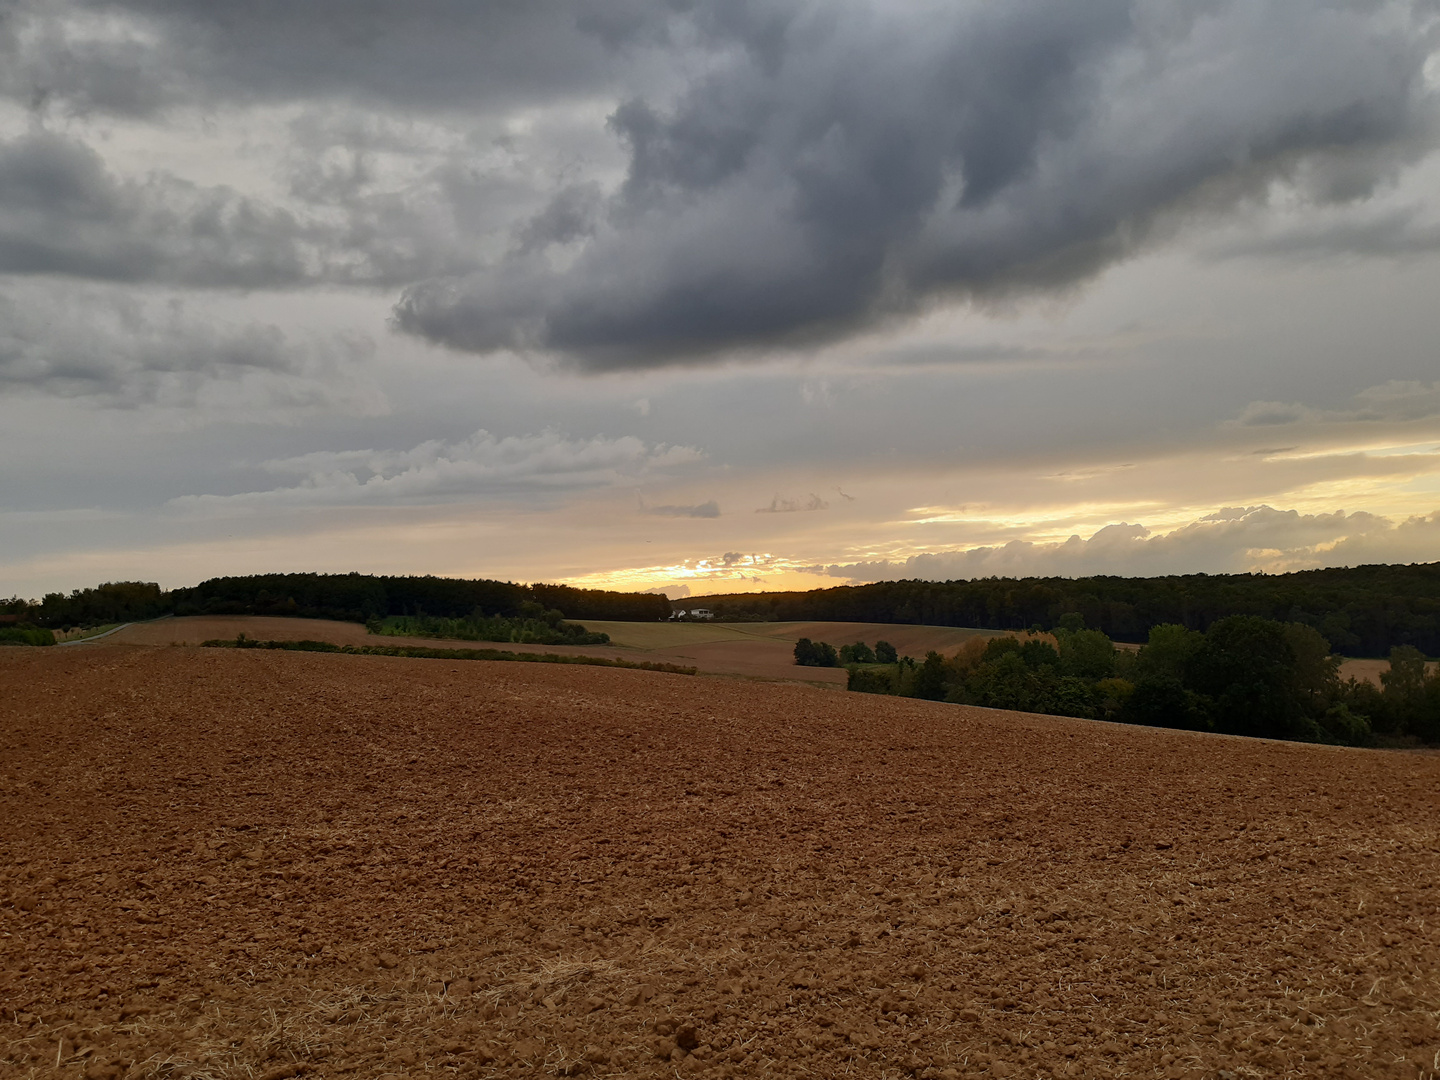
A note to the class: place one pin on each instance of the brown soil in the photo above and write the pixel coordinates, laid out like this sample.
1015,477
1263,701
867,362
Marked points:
256,864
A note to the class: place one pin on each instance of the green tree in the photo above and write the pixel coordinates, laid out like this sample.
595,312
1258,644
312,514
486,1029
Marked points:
815,654
998,646
1005,682
859,653
1317,669
1246,666
1406,677
1168,653
1038,654
1404,690
930,678
1087,654
885,653
1427,723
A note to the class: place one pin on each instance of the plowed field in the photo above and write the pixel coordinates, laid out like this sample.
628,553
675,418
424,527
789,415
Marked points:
216,863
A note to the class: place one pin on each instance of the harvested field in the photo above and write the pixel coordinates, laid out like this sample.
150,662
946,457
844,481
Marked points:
757,650
249,864
1369,670
907,638
193,629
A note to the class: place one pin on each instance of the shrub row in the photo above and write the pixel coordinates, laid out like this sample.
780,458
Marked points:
240,641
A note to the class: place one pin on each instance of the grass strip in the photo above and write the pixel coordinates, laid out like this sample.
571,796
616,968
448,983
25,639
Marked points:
240,641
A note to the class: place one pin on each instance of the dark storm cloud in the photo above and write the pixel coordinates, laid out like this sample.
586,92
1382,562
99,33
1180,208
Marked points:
835,166
137,56
794,172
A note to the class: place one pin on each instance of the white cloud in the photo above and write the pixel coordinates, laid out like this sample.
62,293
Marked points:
1233,540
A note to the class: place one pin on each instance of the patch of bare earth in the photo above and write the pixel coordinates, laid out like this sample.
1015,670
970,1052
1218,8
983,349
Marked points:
259,864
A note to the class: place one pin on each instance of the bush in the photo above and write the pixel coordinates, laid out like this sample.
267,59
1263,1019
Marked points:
1345,727
870,680
240,641
1163,701
25,635
535,625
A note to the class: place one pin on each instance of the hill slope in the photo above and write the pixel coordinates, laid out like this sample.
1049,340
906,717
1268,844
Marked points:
227,862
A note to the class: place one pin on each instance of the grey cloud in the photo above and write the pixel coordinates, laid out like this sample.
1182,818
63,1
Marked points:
45,58
942,355
1396,233
1397,401
709,509
138,56
838,166
63,212
1272,413
571,215
1235,540
793,506
795,172
115,349
436,471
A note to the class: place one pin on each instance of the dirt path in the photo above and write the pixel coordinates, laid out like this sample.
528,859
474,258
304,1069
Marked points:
242,864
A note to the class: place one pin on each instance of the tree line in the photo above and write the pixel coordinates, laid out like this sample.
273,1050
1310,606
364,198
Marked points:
1360,611
1243,675
346,597
820,654
534,625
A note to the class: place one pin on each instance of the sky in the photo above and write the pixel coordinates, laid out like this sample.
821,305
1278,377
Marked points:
716,296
